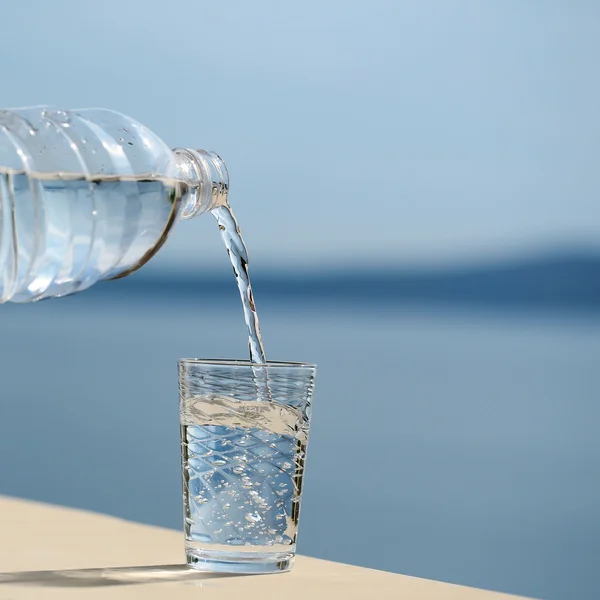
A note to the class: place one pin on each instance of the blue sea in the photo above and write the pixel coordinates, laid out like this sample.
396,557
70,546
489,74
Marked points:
452,443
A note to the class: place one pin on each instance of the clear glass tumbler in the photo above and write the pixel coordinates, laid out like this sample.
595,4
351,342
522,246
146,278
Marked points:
244,434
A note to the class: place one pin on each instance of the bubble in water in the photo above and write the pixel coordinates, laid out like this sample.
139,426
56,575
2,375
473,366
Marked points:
219,462
272,531
238,470
285,539
253,517
201,499
226,505
235,541
218,531
286,465
258,499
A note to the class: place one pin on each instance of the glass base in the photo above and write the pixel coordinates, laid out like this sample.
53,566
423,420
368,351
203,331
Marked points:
239,562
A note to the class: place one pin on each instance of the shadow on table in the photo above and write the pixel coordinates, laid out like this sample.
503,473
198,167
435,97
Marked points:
108,576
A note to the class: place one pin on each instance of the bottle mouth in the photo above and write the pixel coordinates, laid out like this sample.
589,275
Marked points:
205,181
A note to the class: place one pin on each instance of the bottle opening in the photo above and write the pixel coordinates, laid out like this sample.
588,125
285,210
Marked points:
205,181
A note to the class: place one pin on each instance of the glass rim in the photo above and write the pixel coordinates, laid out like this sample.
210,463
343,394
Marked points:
238,362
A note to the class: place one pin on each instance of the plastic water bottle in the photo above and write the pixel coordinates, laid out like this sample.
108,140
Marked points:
88,195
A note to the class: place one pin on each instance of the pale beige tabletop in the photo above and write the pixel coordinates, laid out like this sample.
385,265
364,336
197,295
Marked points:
49,552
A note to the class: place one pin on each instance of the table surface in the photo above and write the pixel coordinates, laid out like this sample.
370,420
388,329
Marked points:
49,552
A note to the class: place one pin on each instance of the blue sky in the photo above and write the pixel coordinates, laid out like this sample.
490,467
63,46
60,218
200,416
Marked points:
388,131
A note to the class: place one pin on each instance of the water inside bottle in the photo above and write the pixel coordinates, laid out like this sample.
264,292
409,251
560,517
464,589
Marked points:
61,232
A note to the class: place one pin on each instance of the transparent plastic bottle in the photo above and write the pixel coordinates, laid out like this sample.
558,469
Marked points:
88,195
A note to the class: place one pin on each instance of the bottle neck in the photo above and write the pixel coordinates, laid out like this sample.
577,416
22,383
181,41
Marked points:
205,181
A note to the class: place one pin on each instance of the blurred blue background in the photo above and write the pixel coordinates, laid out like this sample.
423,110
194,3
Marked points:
418,186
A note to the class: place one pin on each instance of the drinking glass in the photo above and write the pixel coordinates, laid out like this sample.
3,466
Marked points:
244,434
